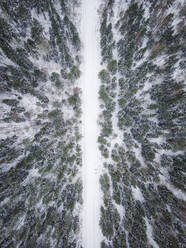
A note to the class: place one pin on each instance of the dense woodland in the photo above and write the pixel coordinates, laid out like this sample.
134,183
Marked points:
142,137
142,124
40,153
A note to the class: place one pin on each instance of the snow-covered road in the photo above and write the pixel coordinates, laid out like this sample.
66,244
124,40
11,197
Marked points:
91,157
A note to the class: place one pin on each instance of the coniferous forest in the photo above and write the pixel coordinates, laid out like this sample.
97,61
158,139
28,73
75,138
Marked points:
45,82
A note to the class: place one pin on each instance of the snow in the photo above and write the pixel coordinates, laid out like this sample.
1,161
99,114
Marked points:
175,9
149,234
29,102
50,176
176,192
40,206
159,140
5,201
127,239
4,60
91,233
137,151
20,222
121,4
137,194
178,74
33,173
49,66
147,13
22,130
7,166
43,20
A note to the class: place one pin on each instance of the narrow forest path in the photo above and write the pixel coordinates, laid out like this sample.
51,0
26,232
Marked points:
91,157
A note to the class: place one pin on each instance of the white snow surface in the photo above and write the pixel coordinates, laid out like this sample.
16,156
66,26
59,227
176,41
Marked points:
150,234
137,194
91,232
33,173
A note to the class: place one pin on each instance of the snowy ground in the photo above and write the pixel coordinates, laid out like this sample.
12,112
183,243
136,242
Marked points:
91,158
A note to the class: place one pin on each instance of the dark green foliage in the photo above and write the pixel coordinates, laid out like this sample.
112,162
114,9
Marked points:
106,39
109,219
75,72
6,34
73,34
104,181
147,152
112,67
10,102
74,100
54,76
104,76
36,31
54,114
